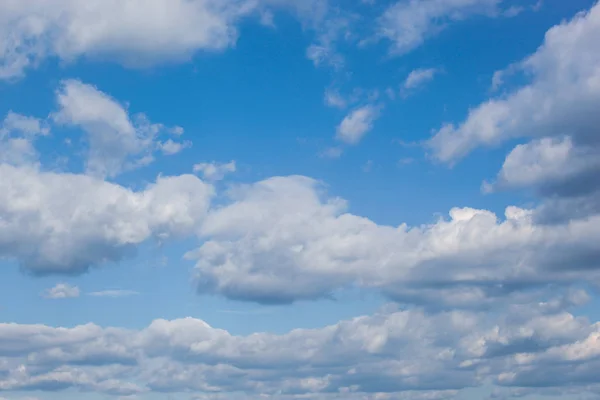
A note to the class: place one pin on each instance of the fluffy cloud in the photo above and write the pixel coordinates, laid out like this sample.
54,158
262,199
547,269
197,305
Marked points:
408,24
54,222
282,240
393,354
214,171
357,124
552,166
61,291
135,33
116,141
17,136
558,110
562,98
170,147
140,33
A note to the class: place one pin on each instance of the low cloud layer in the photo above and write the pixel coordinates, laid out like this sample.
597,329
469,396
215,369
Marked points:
375,356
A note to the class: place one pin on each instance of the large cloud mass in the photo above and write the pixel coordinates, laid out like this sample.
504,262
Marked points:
393,354
59,222
282,240
474,286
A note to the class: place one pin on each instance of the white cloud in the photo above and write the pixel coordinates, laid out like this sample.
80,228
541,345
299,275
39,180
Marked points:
394,354
332,152
409,23
357,124
557,109
334,99
116,142
215,171
28,126
142,33
321,54
562,98
551,166
419,77
135,32
330,26
281,240
171,147
62,291
64,223
17,135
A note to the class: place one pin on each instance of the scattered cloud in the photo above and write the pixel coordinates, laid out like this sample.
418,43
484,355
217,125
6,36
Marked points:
171,147
332,152
419,77
215,171
406,161
563,72
136,33
140,34
407,24
334,99
503,287
116,141
114,293
17,136
357,124
556,110
61,291
321,54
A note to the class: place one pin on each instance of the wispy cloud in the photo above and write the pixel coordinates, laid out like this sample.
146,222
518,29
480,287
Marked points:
114,293
419,77
61,291
357,124
332,152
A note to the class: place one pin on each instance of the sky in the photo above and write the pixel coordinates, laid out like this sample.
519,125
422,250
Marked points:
299,199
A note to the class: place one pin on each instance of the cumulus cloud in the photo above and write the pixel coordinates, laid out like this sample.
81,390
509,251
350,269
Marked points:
142,33
408,24
357,124
214,171
282,240
557,110
551,166
64,223
135,33
392,354
561,99
116,141
61,291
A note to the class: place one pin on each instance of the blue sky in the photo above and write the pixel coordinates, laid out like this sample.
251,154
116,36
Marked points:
299,199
